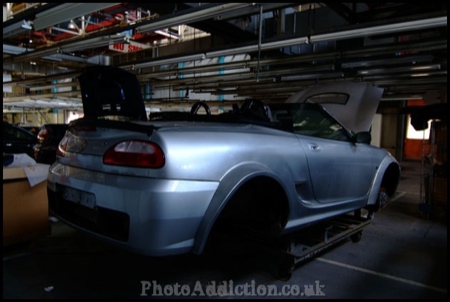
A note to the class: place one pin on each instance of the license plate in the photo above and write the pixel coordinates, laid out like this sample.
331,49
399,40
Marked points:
79,197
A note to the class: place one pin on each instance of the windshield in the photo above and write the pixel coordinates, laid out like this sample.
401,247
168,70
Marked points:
308,119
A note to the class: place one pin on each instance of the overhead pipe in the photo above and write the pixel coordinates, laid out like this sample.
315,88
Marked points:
307,58
250,63
259,41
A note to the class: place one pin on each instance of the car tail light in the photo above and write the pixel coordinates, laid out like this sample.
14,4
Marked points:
42,135
70,143
135,153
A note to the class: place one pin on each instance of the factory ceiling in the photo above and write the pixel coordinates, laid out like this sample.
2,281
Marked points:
224,52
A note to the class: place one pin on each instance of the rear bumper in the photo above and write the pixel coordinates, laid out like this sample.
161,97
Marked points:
149,216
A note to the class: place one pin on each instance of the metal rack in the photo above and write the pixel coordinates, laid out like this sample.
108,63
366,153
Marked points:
434,170
281,257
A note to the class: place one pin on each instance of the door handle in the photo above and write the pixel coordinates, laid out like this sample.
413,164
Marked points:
314,147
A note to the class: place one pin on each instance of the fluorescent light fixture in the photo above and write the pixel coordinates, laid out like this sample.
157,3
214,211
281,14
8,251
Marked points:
427,67
398,69
418,75
401,97
208,12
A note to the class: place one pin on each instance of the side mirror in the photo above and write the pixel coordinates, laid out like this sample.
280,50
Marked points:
364,137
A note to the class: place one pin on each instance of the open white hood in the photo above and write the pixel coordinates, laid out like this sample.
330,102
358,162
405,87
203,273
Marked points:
352,104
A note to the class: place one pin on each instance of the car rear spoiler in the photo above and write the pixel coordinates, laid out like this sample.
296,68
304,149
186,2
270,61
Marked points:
91,124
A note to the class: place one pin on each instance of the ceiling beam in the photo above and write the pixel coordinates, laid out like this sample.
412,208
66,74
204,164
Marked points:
66,12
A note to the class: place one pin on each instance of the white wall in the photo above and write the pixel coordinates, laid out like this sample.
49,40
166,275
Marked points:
376,130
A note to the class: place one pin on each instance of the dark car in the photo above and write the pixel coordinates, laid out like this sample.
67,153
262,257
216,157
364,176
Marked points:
32,129
49,137
18,140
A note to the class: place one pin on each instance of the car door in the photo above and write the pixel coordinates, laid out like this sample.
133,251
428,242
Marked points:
340,170
17,140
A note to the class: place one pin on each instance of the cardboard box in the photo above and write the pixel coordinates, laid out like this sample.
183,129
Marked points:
25,207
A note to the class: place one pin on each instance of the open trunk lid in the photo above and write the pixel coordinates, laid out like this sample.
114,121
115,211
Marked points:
111,91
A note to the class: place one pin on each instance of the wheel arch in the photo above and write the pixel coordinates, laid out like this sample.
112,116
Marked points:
235,180
391,179
388,176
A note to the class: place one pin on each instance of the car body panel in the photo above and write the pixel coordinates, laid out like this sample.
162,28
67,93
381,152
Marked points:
208,160
163,212
335,165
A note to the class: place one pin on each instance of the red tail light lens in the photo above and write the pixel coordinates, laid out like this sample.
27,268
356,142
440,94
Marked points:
42,135
135,153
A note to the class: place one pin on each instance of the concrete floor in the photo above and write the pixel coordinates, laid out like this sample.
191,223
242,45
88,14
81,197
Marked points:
402,254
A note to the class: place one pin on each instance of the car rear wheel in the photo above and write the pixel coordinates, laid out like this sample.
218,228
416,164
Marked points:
249,227
382,200
256,213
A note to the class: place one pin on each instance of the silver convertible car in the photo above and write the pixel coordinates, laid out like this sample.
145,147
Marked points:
160,184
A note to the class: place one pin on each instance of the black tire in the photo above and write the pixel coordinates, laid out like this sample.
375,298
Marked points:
356,237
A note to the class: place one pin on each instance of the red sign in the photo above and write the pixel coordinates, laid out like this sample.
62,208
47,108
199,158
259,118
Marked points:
131,47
